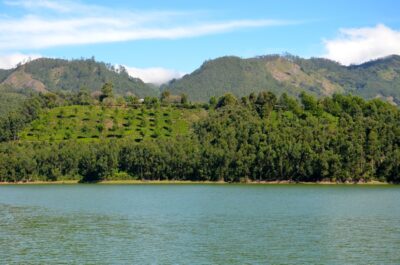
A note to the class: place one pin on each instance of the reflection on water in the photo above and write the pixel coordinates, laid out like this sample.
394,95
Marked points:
33,232
199,225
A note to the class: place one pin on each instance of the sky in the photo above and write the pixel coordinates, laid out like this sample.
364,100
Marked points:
157,40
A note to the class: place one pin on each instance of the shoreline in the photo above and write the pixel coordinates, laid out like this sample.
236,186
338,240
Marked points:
187,182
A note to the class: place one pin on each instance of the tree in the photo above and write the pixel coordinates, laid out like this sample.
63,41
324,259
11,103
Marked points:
120,101
98,162
132,100
287,103
83,97
265,103
106,91
165,96
310,104
213,101
343,138
184,99
151,102
227,100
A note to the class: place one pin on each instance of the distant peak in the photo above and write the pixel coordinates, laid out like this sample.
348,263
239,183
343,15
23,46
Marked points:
383,60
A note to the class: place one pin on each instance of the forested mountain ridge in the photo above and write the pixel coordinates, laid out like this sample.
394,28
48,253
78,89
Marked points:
50,75
278,74
3,74
292,75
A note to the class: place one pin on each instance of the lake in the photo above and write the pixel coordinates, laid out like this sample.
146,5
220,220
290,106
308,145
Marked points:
199,224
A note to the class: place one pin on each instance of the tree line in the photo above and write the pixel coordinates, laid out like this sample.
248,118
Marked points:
260,137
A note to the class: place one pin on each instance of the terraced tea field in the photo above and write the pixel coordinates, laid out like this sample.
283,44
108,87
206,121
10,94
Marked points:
95,122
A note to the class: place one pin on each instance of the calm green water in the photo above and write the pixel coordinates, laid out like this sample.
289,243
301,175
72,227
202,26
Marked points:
199,224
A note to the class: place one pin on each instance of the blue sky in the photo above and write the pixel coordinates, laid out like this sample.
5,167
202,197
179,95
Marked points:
167,38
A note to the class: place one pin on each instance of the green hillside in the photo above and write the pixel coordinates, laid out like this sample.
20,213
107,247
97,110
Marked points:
278,74
261,137
290,74
4,74
62,75
226,74
379,78
10,100
95,122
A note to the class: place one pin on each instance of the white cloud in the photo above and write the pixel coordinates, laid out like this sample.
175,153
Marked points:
11,60
36,4
35,33
154,75
358,45
89,24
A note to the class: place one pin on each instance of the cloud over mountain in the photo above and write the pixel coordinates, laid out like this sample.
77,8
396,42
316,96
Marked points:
358,45
154,75
11,60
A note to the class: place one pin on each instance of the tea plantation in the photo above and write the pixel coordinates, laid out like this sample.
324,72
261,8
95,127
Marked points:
88,123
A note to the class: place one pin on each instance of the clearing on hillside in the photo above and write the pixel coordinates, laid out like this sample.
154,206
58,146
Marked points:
96,122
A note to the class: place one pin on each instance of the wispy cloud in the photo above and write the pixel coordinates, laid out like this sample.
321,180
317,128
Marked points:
11,60
358,45
37,4
49,23
88,24
154,75
35,32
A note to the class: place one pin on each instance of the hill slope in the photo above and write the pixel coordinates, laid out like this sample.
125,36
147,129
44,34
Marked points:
10,101
290,74
56,74
95,122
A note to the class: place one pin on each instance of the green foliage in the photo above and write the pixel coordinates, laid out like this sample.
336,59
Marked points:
151,102
213,101
291,75
227,100
184,99
132,100
261,138
165,96
98,162
4,74
13,123
64,75
106,91
310,104
10,101
84,122
224,75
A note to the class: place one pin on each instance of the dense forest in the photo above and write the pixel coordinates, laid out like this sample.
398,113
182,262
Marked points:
259,137
10,100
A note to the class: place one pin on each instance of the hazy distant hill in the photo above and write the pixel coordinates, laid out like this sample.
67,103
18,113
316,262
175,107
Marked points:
290,74
4,74
57,74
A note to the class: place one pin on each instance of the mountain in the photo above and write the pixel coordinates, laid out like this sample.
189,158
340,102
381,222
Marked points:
291,74
4,74
63,75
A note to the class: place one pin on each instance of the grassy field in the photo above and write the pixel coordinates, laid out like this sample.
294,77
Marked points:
95,122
